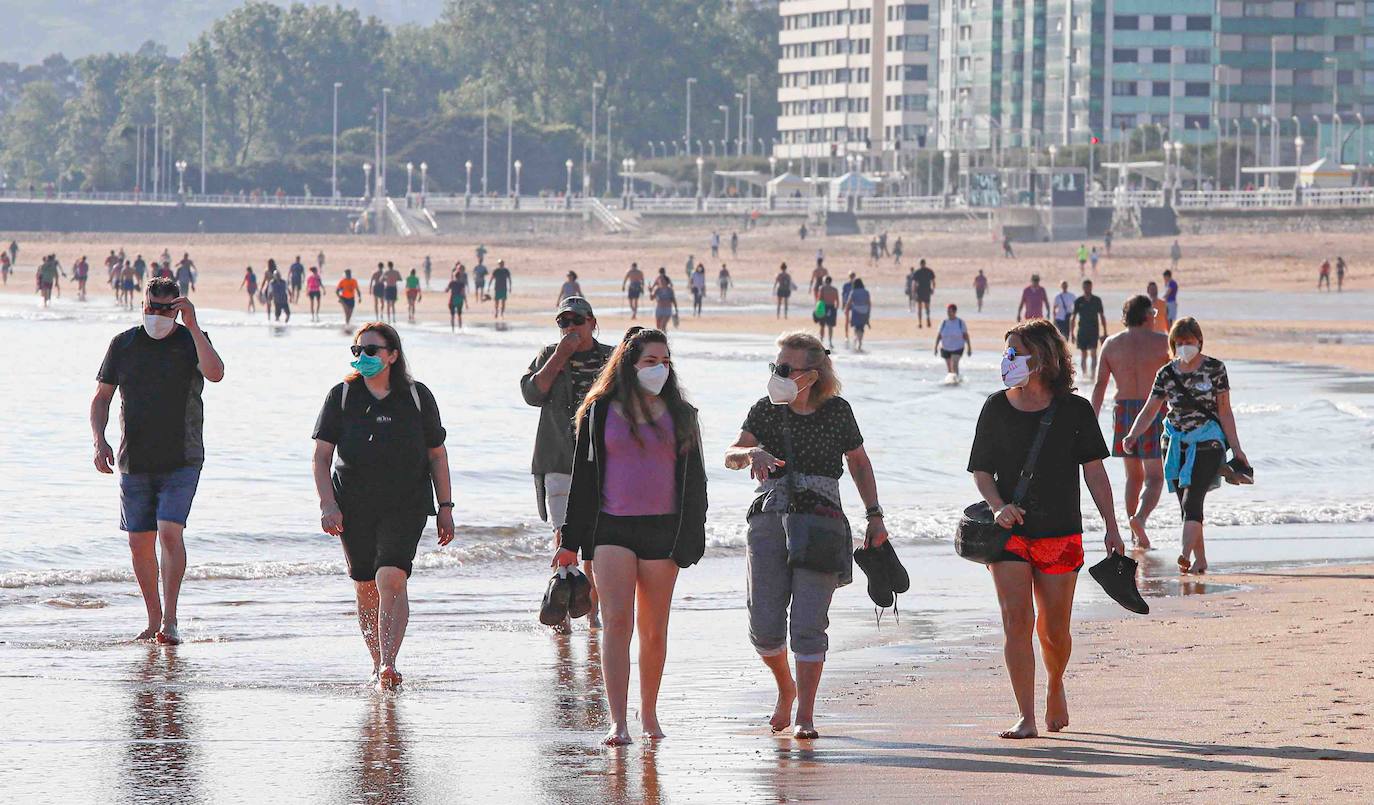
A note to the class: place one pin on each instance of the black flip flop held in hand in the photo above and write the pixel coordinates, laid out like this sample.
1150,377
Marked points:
871,563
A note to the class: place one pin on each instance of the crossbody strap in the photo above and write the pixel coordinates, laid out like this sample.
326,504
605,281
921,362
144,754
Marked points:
1028,471
787,450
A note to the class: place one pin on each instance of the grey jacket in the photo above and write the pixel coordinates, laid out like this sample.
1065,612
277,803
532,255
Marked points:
553,443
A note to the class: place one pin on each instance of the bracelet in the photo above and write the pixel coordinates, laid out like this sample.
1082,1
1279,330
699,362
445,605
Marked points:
448,504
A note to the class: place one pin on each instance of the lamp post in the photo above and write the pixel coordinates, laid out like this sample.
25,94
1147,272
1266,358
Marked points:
568,193
485,114
1054,151
1197,178
687,135
424,179
610,116
631,187
624,182
181,176
725,127
739,125
944,188
590,153
662,146
367,178
772,166
1297,148
651,149
381,164
1359,176
410,172
1317,122
518,166
701,163
1239,135
1337,144
202,135
468,190
334,148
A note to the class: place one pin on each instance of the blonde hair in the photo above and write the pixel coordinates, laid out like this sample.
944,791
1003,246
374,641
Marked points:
827,383
1186,326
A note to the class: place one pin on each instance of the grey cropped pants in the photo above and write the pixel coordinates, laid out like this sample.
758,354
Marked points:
783,601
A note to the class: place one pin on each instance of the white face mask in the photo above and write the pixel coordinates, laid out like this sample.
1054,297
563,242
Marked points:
158,327
653,378
1186,352
1016,371
781,390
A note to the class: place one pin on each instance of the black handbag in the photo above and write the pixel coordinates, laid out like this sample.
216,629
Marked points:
815,541
979,538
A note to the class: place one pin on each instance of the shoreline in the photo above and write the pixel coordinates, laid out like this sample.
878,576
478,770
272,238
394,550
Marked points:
1261,690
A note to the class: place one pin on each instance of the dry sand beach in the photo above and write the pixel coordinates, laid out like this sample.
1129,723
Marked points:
1259,690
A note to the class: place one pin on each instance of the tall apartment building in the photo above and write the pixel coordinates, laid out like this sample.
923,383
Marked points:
854,76
1063,71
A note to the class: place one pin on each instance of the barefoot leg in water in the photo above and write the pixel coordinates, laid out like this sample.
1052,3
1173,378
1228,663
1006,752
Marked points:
787,691
393,615
1014,583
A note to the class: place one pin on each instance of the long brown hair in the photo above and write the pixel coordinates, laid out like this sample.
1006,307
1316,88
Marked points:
1052,357
619,382
400,374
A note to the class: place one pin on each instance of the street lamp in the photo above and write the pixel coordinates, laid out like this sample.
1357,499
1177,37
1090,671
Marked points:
517,178
334,148
367,178
424,179
624,181
468,190
725,127
1337,144
181,176
202,136
1297,148
739,125
610,116
1360,162
651,149
687,136
701,163
944,188
1317,122
410,171
772,166
1054,151
569,166
631,163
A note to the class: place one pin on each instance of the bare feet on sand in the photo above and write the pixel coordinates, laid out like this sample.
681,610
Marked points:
1024,728
652,731
782,712
169,635
147,634
1199,567
805,731
563,628
618,736
1183,564
1138,536
1056,708
594,618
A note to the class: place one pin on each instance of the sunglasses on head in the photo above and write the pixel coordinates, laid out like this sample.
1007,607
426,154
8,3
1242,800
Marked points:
155,306
785,370
370,349
571,320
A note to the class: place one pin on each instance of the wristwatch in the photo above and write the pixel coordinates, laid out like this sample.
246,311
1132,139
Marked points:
448,504
874,511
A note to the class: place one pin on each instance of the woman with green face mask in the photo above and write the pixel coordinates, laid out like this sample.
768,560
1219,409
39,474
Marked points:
381,432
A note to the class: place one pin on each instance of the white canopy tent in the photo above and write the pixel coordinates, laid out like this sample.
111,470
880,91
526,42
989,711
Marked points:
788,184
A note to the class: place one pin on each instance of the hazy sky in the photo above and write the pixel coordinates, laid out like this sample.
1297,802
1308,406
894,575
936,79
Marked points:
75,28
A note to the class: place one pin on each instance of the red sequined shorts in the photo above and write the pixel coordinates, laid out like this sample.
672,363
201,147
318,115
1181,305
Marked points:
1048,555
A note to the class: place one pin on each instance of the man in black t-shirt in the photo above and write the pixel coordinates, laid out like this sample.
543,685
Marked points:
159,369
557,381
923,282
1087,315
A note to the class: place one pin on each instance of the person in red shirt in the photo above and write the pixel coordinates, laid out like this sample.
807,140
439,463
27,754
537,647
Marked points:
1034,301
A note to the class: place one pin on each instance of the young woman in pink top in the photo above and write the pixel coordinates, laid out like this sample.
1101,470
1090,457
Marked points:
314,287
637,509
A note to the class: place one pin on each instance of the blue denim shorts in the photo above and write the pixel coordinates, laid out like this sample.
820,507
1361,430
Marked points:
145,498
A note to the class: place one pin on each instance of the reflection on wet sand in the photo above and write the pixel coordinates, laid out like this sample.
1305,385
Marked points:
1157,577
619,783
578,699
161,762
382,771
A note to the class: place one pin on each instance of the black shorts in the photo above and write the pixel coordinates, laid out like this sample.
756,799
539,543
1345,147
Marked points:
1088,340
391,293
950,353
648,536
314,294
923,297
373,539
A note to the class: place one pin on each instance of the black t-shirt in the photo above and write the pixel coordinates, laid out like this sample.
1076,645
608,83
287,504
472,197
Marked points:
820,439
924,279
1088,310
500,279
382,458
160,409
1003,439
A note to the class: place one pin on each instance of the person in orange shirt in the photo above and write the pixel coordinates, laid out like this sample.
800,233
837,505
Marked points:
1159,322
347,291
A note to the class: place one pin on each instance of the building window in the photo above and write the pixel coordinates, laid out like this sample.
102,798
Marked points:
1255,9
1159,89
1254,42
913,72
1197,56
1199,22
1124,89
1160,120
1203,122
1125,55
1305,8
965,33
1345,10
1164,22
1123,121
1308,78
1197,89
1345,76
1162,56
1344,43
1126,22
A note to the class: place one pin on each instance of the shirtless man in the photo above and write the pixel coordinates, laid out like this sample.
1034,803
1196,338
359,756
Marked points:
633,286
829,297
783,286
817,280
390,280
1130,359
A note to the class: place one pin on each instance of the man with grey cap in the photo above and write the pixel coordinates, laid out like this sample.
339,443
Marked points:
557,381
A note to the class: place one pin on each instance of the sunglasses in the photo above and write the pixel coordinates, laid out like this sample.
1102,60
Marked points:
1010,353
785,370
571,320
156,306
370,349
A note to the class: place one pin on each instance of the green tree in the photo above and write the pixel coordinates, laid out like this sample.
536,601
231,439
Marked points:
30,129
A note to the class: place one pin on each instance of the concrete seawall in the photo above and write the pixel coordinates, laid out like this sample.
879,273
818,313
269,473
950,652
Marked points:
57,216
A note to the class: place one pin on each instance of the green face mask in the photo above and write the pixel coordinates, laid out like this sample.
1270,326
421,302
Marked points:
368,365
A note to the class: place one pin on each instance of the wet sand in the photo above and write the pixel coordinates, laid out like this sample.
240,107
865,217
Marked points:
1271,310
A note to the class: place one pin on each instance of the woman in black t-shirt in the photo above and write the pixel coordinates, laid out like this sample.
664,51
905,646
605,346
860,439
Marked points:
803,399
1045,552
391,451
